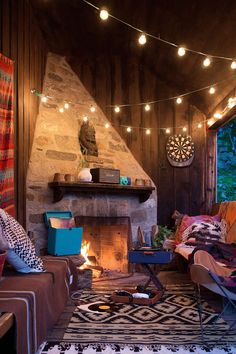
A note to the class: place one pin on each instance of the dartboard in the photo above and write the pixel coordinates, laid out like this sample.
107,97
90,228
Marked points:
180,150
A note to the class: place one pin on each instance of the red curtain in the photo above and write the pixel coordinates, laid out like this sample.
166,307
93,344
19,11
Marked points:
6,135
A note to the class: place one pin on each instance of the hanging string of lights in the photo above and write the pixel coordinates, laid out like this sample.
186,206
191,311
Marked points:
66,104
142,39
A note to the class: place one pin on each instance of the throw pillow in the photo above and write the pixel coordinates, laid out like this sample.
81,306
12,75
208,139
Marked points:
189,220
20,248
206,232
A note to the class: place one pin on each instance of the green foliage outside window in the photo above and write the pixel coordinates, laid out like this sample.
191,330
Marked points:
226,162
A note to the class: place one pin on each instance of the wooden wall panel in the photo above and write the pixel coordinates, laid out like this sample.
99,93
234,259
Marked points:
118,80
21,40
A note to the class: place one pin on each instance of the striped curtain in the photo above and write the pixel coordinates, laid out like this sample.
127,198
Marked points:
6,135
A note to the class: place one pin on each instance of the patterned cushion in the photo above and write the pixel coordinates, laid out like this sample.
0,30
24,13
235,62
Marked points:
187,221
17,240
206,232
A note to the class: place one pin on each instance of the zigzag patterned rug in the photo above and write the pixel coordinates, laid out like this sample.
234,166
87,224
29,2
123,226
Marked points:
169,326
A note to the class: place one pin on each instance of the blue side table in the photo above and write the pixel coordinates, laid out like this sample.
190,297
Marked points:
148,257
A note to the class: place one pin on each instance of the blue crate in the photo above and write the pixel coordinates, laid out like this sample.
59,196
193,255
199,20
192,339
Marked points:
150,257
63,242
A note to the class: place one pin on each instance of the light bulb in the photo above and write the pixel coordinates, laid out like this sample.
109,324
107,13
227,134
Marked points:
142,39
181,51
117,109
233,64
44,99
147,107
92,109
61,109
107,125
206,61
85,118
184,129
66,105
128,129
104,15
148,131
199,125
210,122
231,102
212,90
179,100
217,115
167,131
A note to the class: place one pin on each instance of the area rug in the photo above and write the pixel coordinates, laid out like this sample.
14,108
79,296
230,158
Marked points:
171,325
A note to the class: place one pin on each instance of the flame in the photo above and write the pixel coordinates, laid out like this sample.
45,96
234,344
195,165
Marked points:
84,252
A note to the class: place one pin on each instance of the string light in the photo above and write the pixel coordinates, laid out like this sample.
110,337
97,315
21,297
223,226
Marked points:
92,109
167,130
85,118
107,125
142,39
233,65
231,102
44,99
117,109
212,90
217,115
66,106
179,100
104,14
148,131
184,129
61,109
210,122
199,125
129,129
206,62
181,51
147,107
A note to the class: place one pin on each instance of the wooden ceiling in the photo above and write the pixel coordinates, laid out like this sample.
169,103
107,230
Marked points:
74,29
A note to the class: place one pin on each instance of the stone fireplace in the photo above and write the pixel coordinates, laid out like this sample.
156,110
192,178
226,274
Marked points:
56,149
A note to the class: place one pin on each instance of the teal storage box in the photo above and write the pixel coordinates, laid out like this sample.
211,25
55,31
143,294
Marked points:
64,238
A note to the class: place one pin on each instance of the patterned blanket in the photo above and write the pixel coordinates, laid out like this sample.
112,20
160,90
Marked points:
6,135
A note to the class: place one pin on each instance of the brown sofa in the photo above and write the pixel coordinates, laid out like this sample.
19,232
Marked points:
36,300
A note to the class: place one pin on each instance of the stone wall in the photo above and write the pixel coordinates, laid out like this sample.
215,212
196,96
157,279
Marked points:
56,149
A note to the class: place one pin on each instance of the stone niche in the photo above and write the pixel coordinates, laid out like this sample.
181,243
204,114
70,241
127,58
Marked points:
56,149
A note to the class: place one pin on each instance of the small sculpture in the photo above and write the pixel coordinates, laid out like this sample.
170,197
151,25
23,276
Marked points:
87,140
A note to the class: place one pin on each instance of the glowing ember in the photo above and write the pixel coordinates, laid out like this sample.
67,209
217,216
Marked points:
84,252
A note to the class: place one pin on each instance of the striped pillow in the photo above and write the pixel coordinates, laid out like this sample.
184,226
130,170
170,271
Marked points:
206,232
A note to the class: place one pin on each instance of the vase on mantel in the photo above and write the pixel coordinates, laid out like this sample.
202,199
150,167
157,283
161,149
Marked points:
84,175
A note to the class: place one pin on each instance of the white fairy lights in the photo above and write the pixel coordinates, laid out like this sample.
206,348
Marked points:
117,109
181,51
206,62
179,100
104,14
212,90
147,107
142,39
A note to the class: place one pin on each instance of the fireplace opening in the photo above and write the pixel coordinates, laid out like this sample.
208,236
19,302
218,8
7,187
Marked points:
109,240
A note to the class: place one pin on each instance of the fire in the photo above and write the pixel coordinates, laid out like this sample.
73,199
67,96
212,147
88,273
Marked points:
84,252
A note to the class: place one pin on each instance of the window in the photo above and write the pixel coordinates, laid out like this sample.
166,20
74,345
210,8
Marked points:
226,162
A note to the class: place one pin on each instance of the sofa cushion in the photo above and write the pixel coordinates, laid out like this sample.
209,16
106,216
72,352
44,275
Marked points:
187,221
206,232
227,211
15,239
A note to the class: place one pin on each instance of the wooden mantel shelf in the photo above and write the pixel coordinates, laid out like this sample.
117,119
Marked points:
60,188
